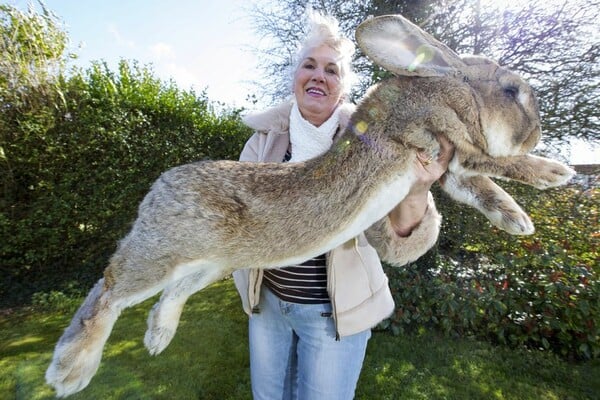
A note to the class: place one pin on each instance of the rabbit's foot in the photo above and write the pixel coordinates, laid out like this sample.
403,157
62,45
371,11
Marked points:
72,368
551,173
512,220
157,339
162,325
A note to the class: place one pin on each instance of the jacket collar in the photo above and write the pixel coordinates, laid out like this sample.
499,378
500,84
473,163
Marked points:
277,119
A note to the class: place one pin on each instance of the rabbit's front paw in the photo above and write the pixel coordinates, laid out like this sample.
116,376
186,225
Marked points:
550,173
512,220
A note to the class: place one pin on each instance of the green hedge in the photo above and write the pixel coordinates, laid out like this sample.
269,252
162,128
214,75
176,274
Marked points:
77,165
540,291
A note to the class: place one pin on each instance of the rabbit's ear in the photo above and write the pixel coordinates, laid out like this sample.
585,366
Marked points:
401,47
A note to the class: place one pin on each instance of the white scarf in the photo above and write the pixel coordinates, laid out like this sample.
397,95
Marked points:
309,141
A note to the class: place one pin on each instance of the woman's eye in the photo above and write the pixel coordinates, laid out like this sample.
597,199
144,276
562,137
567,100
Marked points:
309,66
332,71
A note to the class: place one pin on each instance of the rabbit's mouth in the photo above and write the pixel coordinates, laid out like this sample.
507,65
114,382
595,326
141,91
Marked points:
531,140
504,140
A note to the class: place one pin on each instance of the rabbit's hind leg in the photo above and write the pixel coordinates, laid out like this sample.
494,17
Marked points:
79,350
164,316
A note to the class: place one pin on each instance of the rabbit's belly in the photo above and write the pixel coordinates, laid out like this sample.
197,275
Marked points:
378,206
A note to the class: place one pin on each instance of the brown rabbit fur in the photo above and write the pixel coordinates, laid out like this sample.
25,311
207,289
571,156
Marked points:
201,221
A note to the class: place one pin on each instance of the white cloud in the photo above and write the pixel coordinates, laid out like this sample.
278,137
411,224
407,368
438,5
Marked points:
161,51
120,40
181,74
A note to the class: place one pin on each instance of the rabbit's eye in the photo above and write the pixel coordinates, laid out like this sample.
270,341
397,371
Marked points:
511,92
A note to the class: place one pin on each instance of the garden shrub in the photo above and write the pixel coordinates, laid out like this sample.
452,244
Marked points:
540,291
79,150
77,177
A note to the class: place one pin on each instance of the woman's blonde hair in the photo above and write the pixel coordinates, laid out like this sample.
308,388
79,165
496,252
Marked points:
325,30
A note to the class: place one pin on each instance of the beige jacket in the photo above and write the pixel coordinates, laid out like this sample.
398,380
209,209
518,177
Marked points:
357,285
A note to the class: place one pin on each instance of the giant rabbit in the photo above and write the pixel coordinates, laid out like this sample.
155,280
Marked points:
201,221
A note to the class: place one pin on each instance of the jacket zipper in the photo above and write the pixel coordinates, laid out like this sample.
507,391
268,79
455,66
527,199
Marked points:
330,280
254,289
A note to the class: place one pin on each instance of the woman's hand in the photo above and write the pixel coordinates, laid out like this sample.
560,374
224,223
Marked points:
409,213
430,170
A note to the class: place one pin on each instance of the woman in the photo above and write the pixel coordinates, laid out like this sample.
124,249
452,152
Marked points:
309,324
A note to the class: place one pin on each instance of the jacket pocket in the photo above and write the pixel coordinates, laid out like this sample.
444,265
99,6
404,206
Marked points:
357,272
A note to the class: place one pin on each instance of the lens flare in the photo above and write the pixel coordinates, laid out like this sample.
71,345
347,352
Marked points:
425,53
361,127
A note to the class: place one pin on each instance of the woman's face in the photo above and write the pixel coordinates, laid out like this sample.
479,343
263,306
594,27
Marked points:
318,84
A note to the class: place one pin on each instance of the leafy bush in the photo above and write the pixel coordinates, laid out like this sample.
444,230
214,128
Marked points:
75,183
541,291
55,301
78,152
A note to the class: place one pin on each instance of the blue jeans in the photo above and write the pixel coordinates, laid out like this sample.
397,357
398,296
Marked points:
294,353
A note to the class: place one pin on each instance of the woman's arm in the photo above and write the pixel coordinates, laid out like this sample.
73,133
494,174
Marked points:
410,211
413,226
250,152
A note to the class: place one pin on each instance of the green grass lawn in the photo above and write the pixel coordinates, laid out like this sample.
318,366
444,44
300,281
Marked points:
208,359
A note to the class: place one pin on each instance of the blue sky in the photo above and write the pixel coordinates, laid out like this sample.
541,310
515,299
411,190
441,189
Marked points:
200,44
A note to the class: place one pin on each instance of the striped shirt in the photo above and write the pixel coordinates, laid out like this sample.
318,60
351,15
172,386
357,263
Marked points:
305,283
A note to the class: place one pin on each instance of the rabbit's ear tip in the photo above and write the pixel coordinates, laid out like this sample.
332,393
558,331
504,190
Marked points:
403,48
